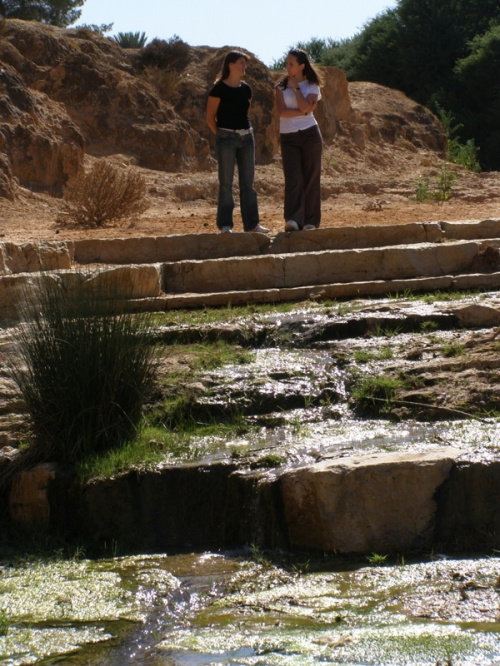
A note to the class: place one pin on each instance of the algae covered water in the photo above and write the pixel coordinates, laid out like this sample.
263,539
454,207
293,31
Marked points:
241,608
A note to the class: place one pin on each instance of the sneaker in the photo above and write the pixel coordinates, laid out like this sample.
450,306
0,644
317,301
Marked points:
291,225
260,229
308,227
226,230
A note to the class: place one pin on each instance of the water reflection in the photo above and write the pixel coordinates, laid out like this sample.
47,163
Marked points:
317,437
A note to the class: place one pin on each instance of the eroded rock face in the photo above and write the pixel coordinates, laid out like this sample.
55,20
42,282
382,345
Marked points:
6,179
335,107
388,116
66,91
41,145
94,81
28,501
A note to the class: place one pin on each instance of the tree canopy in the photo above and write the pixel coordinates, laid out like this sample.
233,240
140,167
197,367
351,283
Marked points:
445,55
55,12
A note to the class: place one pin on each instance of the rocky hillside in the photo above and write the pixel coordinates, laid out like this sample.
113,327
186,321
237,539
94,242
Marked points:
67,94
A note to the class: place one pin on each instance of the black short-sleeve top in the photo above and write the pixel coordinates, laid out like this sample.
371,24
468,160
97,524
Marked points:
234,104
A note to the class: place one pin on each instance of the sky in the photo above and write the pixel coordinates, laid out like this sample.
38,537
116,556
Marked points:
265,28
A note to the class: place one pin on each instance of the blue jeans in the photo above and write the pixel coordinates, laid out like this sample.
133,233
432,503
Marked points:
231,149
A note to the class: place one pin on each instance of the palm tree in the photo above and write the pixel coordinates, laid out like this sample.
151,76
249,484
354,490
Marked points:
131,40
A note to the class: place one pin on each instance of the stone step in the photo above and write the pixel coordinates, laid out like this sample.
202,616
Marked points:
323,267
57,255
216,246
248,268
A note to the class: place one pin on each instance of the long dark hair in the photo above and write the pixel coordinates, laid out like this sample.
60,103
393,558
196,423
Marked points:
232,56
309,72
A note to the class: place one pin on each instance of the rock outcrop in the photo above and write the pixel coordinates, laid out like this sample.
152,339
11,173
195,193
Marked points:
41,145
386,503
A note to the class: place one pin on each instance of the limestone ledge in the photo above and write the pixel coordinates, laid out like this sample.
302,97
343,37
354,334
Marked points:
385,503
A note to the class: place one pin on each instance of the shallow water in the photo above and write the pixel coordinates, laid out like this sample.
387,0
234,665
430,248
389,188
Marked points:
226,609
307,436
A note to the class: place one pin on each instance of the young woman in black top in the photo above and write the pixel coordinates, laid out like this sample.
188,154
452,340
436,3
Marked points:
227,116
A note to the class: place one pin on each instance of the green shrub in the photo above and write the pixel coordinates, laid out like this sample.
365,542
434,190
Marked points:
372,389
442,189
101,29
4,623
86,368
466,154
453,349
428,326
444,183
422,192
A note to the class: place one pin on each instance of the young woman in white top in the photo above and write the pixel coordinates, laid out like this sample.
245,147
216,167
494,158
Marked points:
297,96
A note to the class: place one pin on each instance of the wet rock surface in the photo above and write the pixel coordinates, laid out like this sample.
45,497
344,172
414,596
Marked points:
326,383
300,392
442,355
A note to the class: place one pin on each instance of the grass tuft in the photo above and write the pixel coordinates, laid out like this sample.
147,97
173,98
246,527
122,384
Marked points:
86,369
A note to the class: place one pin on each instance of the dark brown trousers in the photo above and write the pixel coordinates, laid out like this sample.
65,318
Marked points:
301,155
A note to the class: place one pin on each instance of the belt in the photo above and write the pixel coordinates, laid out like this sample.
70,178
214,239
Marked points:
241,132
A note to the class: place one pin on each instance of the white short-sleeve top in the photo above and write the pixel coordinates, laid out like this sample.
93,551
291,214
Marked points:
303,122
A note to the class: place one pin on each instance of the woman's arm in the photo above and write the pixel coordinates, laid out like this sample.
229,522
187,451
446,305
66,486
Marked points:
305,104
283,112
212,107
313,100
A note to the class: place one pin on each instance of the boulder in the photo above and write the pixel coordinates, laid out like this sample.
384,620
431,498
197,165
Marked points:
476,315
379,503
29,503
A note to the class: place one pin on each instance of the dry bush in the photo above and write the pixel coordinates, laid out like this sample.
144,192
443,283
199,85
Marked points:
164,81
104,194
